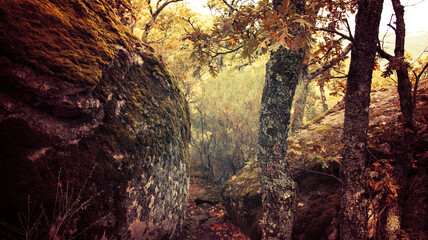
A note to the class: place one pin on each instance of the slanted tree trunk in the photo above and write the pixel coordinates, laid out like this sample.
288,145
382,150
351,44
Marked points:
306,79
353,205
278,189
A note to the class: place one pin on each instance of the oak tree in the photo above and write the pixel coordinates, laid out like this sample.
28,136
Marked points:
353,205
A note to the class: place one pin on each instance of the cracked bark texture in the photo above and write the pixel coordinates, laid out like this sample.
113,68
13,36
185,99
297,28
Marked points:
279,190
353,206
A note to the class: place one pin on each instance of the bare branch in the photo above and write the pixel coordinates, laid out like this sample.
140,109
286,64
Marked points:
321,173
349,38
382,53
229,5
349,28
155,14
331,63
418,77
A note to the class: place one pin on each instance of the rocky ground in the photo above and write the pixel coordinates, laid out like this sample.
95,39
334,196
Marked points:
207,218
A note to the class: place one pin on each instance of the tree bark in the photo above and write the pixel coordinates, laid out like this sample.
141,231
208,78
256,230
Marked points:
323,98
278,189
394,213
404,85
299,104
353,205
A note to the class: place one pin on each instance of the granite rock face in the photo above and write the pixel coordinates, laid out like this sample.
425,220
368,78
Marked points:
84,104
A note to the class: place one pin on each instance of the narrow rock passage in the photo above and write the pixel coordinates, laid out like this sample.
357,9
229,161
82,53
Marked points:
208,221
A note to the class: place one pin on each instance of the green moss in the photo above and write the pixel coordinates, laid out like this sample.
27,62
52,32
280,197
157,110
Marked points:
74,41
157,106
325,130
70,39
246,182
318,119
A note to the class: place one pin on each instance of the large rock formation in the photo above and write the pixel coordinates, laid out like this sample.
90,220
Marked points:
317,203
88,113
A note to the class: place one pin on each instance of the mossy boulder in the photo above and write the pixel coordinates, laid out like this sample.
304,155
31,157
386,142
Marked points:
84,104
317,203
208,194
243,200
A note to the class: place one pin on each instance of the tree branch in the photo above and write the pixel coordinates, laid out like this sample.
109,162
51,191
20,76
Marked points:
415,90
321,173
383,54
155,14
331,63
229,5
349,38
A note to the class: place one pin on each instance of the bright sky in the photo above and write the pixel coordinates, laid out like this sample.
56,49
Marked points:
416,13
198,6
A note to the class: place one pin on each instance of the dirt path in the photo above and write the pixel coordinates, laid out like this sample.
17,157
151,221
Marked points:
209,222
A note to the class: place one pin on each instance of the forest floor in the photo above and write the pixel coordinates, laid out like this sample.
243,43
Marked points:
207,221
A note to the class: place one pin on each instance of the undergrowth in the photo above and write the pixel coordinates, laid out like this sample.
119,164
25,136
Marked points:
60,222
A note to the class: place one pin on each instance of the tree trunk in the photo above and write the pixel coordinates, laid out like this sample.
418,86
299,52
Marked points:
394,213
299,104
404,85
278,189
323,98
353,205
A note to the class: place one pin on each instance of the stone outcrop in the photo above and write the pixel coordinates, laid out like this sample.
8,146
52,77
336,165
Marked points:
243,200
87,108
208,194
317,201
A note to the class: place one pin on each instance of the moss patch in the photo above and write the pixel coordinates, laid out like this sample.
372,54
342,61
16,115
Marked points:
70,39
245,183
208,194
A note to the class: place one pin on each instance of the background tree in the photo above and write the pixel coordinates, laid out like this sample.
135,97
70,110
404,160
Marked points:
392,217
154,10
353,205
323,73
230,103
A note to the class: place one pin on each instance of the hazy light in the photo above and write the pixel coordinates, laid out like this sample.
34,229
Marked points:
199,6
415,14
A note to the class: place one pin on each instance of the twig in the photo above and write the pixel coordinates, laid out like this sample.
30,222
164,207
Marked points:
321,173
415,90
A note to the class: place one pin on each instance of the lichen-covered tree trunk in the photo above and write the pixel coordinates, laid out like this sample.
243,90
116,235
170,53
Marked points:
278,189
353,206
